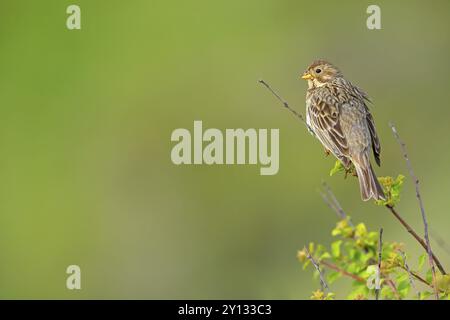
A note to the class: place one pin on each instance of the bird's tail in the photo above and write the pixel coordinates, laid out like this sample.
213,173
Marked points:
368,182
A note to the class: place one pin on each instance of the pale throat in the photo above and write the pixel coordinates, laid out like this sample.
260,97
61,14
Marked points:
314,83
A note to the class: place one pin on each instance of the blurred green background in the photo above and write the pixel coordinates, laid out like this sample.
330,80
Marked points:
85,125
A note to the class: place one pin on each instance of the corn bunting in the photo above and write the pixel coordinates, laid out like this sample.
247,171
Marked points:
337,113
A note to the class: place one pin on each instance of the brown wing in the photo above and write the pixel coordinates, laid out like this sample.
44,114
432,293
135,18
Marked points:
376,146
323,113
361,96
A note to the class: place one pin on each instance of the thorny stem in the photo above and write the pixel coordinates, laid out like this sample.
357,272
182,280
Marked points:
422,209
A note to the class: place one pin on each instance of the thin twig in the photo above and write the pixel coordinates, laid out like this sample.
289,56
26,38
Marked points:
329,204
316,266
286,105
439,240
416,236
377,280
334,199
393,288
322,288
410,275
422,209
342,271
334,203
418,277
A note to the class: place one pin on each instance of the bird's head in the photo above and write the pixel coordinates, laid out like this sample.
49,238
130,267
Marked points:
320,72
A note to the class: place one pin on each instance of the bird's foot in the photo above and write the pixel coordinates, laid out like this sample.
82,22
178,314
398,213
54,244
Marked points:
327,152
350,170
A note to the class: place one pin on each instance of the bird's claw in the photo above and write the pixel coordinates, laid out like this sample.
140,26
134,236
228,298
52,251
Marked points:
350,170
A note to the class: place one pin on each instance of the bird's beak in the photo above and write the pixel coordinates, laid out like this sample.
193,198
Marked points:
307,76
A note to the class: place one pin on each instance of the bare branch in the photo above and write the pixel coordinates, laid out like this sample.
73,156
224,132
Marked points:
328,203
316,265
286,105
416,236
418,277
331,200
380,249
422,209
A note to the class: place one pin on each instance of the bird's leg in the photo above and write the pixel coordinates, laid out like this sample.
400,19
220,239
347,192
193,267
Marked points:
350,170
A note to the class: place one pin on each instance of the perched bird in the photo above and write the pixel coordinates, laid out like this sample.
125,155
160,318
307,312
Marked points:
337,113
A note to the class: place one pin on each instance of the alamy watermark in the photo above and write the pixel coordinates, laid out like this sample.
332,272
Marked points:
373,22
73,21
234,146
73,281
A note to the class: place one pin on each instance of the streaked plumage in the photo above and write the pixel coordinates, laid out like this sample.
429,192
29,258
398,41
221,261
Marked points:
337,112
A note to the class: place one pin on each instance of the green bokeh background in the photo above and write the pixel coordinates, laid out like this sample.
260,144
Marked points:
85,124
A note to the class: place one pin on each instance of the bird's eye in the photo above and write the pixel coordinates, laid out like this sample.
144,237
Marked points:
318,70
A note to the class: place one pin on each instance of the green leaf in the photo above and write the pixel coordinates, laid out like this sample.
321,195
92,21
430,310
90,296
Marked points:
424,295
333,276
397,188
402,277
336,249
355,255
443,296
392,189
320,249
336,232
338,167
404,292
330,296
373,236
403,285
311,247
386,292
353,268
361,230
372,269
365,257
422,260
429,276
359,293
305,265
325,255
319,295
316,274
443,282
